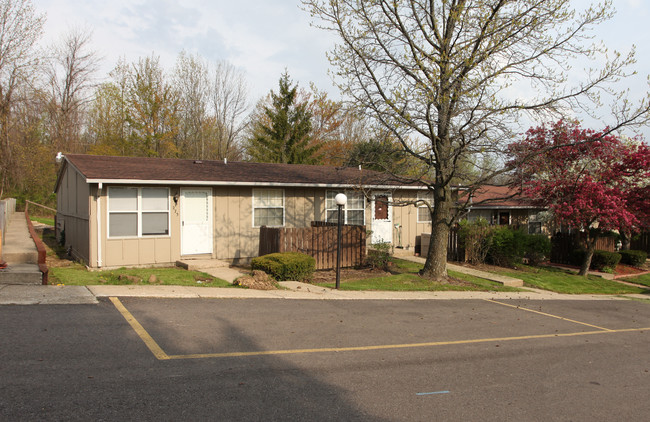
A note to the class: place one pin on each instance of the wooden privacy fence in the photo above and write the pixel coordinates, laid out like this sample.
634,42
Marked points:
563,245
455,251
319,241
641,242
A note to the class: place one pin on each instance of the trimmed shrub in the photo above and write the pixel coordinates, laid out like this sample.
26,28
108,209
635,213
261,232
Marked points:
286,266
577,256
603,260
537,248
634,258
379,256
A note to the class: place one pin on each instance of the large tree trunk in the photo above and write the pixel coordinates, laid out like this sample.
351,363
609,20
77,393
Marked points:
586,263
435,267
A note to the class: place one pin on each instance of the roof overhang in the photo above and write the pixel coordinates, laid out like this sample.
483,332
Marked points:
253,184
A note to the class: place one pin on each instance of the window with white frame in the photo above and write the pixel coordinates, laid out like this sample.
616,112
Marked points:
138,212
535,222
353,211
424,215
268,207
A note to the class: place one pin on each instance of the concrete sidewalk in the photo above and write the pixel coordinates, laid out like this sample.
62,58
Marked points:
48,295
37,294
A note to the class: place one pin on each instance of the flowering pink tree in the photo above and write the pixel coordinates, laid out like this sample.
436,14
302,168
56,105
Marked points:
590,180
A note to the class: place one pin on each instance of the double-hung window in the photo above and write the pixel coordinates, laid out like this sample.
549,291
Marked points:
268,207
535,222
424,215
353,211
138,212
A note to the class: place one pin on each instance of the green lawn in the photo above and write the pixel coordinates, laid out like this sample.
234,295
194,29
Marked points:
43,220
642,279
405,278
562,281
78,275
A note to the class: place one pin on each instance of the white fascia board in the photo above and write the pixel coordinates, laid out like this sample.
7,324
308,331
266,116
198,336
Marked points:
254,184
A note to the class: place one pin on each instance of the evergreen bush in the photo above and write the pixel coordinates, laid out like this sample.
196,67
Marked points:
537,248
286,266
507,246
634,258
603,260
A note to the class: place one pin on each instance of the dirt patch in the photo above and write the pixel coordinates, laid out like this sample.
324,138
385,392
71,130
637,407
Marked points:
352,274
329,276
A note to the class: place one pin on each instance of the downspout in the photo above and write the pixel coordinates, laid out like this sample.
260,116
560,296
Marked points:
99,225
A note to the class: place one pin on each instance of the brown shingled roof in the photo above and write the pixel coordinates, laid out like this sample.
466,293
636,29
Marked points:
142,169
488,196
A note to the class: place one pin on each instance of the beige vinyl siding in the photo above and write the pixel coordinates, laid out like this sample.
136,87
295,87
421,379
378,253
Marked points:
407,218
150,250
236,239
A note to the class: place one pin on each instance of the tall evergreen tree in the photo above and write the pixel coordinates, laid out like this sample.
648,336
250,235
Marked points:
282,133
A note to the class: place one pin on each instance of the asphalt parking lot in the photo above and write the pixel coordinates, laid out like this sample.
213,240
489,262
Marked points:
274,359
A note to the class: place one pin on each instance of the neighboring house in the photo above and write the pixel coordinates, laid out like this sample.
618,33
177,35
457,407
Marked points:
128,211
500,205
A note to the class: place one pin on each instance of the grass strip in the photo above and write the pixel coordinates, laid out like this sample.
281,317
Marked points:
78,275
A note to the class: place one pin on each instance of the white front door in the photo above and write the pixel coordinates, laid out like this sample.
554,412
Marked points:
196,221
382,218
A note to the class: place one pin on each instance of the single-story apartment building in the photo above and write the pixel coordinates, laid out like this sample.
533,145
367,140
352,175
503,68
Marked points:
502,205
141,211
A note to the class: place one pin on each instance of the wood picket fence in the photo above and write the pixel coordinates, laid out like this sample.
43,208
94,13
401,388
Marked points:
319,241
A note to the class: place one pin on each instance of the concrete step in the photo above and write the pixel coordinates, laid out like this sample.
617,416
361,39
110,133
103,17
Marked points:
21,274
21,257
201,264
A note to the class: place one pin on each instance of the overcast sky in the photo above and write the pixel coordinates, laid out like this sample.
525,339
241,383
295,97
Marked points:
262,37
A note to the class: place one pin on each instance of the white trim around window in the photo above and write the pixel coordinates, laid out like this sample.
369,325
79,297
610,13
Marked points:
354,211
424,216
268,207
138,212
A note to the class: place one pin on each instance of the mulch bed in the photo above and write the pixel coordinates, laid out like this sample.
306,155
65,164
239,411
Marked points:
623,271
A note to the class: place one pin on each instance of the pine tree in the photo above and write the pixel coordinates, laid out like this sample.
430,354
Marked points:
282,133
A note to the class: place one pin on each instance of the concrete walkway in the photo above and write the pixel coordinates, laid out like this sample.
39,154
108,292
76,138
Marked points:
48,295
19,251
31,295
505,280
11,294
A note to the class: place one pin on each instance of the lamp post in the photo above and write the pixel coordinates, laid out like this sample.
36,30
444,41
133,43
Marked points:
341,200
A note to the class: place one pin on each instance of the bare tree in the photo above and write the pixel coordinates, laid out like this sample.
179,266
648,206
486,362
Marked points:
20,29
452,79
192,83
229,99
71,72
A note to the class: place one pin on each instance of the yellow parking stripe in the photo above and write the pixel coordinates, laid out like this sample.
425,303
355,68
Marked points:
140,331
548,315
396,346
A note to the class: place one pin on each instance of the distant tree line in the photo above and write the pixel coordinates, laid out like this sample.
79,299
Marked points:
53,99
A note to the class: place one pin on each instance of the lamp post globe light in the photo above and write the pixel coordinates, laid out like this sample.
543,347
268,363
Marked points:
340,200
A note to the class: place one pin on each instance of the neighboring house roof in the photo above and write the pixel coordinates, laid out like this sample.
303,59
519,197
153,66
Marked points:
150,170
499,197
